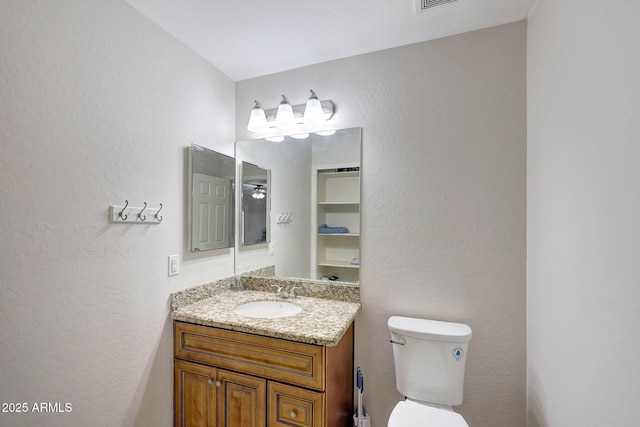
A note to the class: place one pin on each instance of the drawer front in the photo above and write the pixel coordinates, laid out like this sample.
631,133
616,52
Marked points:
295,363
292,406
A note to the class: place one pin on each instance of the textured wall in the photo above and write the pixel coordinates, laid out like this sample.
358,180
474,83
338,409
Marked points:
97,104
443,211
583,214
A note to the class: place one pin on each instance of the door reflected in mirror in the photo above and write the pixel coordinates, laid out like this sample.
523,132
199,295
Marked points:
255,204
211,207
313,221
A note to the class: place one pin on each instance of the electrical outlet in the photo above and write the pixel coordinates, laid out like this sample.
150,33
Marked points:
174,265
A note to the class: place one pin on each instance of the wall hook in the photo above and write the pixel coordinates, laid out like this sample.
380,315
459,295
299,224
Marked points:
140,216
156,216
121,214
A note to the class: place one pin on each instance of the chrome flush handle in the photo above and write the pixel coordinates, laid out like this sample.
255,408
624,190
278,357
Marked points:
401,341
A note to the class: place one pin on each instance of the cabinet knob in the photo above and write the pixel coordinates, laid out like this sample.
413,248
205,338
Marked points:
209,381
293,414
218,384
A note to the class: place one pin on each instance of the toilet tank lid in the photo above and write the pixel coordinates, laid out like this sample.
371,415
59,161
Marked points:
429,329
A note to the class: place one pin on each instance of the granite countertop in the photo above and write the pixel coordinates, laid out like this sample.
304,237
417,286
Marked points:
321,322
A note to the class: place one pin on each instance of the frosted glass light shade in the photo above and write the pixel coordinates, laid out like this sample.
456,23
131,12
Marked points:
313,113
300,135
284,117
278,138
258,119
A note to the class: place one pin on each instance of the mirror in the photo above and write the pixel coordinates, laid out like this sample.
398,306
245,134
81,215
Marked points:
255,204
314,212
211,207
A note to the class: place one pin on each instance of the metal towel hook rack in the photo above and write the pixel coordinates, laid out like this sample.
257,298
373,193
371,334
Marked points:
135,215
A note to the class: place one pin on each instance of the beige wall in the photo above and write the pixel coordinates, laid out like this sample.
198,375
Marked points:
443,211
96,106
583,236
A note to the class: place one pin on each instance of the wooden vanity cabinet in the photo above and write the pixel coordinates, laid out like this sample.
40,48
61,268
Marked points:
234,379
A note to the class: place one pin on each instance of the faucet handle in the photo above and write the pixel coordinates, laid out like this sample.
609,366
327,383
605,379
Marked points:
292,292
278,290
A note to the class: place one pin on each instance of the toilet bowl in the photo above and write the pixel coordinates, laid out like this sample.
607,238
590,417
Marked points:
419,414
430,359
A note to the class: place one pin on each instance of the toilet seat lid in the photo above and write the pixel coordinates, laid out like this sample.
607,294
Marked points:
410,413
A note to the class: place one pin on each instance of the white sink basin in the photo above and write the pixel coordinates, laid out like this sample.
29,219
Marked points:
267,309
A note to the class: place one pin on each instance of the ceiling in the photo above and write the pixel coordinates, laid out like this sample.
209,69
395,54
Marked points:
251,38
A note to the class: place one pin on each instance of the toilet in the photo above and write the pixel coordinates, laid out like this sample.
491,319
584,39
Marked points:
430,357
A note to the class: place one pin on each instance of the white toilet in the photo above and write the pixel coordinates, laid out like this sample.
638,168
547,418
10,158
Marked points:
430,358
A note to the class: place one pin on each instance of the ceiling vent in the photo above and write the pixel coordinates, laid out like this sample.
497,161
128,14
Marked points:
424,5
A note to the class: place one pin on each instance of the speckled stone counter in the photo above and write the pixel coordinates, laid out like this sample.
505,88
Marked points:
340,291
322,321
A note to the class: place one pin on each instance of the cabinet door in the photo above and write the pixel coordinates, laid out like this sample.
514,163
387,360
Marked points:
241,400
294,406
194,394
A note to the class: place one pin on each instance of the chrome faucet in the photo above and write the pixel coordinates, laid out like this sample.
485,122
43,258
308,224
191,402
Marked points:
237,285
281,292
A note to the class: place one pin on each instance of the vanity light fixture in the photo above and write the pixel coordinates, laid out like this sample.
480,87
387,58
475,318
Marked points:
291,119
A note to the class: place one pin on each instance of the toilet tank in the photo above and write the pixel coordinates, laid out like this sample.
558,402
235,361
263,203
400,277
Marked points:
430,358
